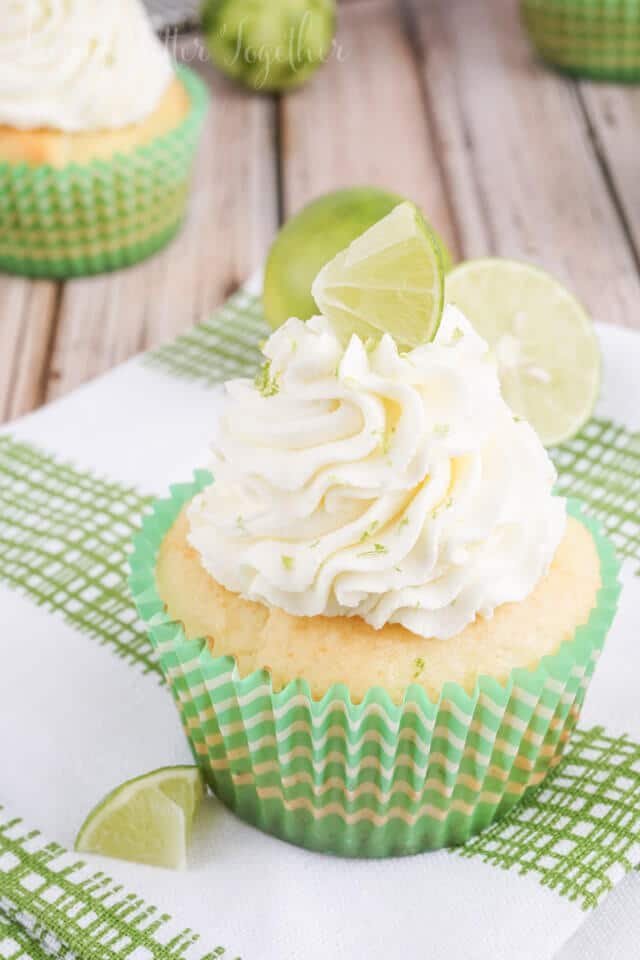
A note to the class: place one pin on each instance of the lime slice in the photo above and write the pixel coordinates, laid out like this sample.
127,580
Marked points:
547,352
389,280
313,237
147,820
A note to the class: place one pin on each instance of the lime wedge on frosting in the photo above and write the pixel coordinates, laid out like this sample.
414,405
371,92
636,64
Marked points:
543,340
388,280
313,237
147,820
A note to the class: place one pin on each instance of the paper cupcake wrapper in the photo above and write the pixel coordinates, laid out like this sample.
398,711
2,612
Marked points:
375,778
597,39
103,215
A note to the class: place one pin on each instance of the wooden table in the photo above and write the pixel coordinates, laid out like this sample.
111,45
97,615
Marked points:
440,100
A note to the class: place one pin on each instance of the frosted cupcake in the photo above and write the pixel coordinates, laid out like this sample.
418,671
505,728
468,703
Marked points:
97,137
378,622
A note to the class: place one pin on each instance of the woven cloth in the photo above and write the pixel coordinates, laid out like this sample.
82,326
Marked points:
84,707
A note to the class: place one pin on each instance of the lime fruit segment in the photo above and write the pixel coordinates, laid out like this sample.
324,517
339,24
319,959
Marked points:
389,280
309,240
543,340
146,820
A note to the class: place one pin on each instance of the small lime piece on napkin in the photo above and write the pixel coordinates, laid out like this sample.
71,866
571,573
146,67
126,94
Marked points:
146,820
269,46
389,280
543,340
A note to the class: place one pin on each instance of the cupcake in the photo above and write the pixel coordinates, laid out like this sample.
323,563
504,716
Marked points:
378,621
97,137
599,40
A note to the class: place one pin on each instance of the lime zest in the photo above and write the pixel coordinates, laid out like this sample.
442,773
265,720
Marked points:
266,384
371,529
378,550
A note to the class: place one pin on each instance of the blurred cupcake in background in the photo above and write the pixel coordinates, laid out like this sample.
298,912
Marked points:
597,39
98,133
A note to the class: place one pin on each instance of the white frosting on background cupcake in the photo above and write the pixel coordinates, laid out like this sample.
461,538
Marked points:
79,65
363,482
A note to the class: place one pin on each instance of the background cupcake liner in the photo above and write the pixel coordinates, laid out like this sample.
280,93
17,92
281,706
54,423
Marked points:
375,778
103,215
598,39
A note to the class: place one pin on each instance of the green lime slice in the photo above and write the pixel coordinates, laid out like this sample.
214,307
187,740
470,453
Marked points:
313,237
389,280
543,340
147,820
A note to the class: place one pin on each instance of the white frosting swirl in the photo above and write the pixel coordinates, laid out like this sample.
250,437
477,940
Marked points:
395,487
79,65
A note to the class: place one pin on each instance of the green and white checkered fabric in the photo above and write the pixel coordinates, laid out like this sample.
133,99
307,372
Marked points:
225,346
53,907
71,498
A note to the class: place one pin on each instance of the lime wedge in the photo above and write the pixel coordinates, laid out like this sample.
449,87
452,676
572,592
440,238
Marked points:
313,237
389,280
543,340
147,820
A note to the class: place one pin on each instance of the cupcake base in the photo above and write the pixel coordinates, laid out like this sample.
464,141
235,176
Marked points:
375,778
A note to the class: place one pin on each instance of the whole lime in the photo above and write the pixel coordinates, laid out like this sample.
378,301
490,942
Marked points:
313,237
269,44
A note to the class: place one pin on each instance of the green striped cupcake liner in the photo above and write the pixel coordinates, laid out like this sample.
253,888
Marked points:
103,215
596,39
375,778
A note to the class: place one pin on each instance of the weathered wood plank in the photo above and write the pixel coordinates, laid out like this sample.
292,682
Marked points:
614,116
525,180
27,321
361,120
233,214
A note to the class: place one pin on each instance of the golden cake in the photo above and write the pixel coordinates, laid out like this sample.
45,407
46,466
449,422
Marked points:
58,148
328,650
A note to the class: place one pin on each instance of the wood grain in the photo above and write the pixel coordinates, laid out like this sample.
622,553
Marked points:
233,215
524,178
27,325
614,116
362,120
441,101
